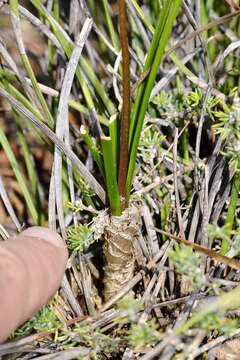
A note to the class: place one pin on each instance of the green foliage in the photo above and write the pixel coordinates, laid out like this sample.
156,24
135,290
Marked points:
141,335
130,308
219,232
150,143
187,262
167,104
79,238
44,319
217,321
225,233
196,98
161,34
228,125
84,334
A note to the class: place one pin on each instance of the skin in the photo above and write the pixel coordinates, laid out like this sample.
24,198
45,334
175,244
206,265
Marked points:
32,266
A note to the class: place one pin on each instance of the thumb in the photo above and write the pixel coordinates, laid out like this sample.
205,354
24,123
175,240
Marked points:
32,265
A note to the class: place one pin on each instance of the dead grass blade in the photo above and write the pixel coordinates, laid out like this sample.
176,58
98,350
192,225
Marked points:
62,119
8,205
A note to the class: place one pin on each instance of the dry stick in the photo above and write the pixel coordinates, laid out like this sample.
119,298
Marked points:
86,285
17,345
224,28
216,22
70,176
233,4
233,263
234,45
216,167
125,114
169,350
45,89
20,344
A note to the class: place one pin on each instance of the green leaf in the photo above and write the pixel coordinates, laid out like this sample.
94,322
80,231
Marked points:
156,51
111,175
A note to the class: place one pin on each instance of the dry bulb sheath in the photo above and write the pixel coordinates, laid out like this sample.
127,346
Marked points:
119,235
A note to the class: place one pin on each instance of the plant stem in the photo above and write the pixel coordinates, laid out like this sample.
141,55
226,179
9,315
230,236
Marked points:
125,115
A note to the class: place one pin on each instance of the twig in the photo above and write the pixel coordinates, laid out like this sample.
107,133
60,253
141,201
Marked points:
235,264
233,4
17,345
